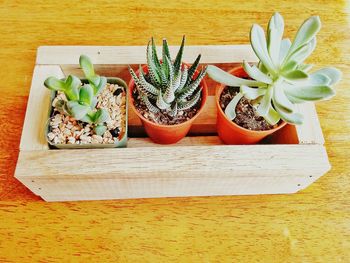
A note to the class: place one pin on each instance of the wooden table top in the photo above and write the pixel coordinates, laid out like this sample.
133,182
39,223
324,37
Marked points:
311,226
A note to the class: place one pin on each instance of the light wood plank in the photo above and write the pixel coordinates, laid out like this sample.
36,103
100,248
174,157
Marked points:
37,114
101,189
55,55
167,162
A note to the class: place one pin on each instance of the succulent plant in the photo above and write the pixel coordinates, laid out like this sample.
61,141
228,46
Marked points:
281,78
81,100
169,86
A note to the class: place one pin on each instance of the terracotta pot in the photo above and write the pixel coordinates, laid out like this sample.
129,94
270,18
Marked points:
166,134
230,132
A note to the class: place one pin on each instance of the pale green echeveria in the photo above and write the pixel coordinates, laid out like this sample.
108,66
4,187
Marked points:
97,82
281,79
81,100
169,86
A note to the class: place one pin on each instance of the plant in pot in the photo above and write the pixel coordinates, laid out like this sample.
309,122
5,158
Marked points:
87,113
255,101
167,95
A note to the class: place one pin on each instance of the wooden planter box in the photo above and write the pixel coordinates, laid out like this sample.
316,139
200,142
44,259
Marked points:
199,165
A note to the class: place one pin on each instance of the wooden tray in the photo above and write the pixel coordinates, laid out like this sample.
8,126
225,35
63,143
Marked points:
199,165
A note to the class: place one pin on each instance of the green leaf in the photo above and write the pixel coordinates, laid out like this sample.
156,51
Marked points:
152,69
265,104
87,66
86,94
303,52
272,116
285,45
72,87
305,67
258,43
317,79
78,111
100,116
275,33
230,110
100,129
281,99
227,79
256,74
252,93
54,83
334,74
102,83
154,54
178,58
292,118
161,104
166,50
306,32
296,75
309,93
165,54
290,66
192,69
94,80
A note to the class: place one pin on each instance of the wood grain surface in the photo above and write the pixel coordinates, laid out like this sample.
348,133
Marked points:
311,226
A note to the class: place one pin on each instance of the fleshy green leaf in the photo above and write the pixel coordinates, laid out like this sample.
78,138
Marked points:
100,116
86,94
296,75
272,116
258,42
281,99
293,118
305,67
290,66
152,69
178,58
265,104
192,69
87,66
309,93
100,129
303,52
256,74
306,32
78,111
252,93
102,83
275,33
72,87
227,79
285,45
230,110
54,83
332,73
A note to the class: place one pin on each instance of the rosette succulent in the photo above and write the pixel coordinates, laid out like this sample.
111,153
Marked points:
281,79
81,99
169,86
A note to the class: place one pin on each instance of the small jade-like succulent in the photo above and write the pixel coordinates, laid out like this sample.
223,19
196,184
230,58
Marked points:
81,100
281,78
169,86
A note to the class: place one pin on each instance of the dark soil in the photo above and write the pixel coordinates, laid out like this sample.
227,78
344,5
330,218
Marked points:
162,117
246,115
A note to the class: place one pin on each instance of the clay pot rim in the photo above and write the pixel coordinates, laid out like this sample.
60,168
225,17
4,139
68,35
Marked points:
204,96
243,130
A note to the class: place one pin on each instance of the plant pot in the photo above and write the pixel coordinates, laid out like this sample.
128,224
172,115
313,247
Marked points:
167,134
122,137
230,132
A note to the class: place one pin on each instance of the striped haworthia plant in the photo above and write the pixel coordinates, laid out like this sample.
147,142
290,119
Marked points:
169,86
